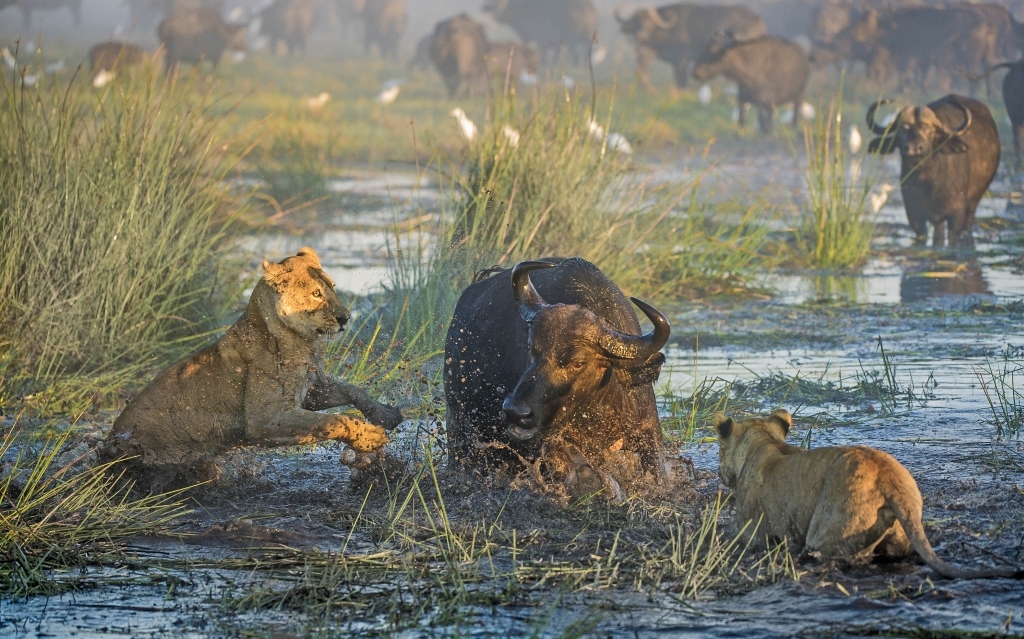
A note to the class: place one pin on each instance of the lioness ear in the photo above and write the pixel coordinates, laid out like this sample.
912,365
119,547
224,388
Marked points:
309,254
723,424
272,272
782,417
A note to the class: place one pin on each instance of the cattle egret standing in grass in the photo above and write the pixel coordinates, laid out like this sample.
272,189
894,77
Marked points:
102,78
466,125
855,140
616,141
807,111
317,103
704,95
598,55
389,91
8,58
568,82
55,67
879,199
30,79
527,79
511,135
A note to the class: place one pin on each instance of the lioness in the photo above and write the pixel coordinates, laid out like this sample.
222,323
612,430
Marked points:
844,502
260,383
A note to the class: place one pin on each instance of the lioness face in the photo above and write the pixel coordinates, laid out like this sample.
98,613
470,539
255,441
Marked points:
305,297
736,440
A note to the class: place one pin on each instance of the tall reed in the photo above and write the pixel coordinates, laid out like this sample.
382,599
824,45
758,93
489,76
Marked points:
837,222
113,224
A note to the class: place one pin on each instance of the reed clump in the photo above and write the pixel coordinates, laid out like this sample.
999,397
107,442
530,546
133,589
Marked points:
113,222
57,517
836,223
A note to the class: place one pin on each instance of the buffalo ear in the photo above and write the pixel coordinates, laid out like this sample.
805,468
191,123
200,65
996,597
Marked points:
724,424
953,145
882,145
782,417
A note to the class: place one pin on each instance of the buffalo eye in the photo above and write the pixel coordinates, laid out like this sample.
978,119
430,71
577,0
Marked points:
577,364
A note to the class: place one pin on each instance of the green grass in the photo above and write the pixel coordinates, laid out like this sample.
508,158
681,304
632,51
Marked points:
113,221
54,519
837,223
1003,388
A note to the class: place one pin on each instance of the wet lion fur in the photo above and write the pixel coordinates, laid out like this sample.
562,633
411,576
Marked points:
260,383
844,502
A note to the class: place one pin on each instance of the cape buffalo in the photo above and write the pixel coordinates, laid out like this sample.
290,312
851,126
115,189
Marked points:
769,71
506,58
950,152
288,21
550,24
384,22
912,42
1013,99
192,33
681,33
555,373
458,50
113,56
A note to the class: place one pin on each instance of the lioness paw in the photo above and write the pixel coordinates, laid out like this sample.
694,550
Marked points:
387,417
367,437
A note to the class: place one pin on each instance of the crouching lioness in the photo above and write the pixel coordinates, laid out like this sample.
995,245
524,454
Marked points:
260,383
844,502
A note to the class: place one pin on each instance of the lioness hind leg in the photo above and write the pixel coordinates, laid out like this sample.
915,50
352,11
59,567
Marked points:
894,545
848,530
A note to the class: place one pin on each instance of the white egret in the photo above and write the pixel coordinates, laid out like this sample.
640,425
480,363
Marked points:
466,126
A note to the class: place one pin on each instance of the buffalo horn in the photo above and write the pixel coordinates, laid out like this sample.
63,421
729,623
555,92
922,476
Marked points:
657,19
640,347
967,120
526,295
876,128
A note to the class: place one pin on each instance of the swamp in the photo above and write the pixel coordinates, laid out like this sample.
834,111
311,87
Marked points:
136,209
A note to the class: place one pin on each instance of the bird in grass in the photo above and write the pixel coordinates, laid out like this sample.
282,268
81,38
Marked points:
511,135
806,112
704,95
598,55
855,140
9,59
616,141
102,78
318,102
466,126
55,67
29,79
879,199
527,79
389,91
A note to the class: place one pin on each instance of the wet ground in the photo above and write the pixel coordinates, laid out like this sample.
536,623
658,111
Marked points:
946,321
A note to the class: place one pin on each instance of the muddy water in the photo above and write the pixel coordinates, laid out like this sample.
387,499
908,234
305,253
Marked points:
942,317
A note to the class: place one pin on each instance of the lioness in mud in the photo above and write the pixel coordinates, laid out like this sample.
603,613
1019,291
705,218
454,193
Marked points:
844,502
260,383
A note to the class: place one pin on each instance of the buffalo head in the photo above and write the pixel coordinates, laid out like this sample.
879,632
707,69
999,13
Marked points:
574,358
645,24
917,132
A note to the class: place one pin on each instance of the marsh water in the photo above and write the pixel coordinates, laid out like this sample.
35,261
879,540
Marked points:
944,319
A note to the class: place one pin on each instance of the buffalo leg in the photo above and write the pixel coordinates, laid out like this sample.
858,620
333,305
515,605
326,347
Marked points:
1018,140
939,234
960,231
644,58
742,121
764,118
797,111
679,74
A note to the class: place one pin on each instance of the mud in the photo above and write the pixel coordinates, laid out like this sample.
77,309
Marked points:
942,317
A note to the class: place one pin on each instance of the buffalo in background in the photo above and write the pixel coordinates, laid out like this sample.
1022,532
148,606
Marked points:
113,56
550,24
949,153
28,6
458,50
384,21
768,72
192,32
288,21
1013,100
552,369
682,33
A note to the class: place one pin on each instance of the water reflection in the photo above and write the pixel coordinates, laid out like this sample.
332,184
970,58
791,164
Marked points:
944,278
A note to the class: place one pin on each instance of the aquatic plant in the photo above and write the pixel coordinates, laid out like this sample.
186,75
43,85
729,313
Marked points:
113,225
836,223
1005,394
57,518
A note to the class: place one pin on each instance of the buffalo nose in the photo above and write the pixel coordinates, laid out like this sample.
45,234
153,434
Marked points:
516,413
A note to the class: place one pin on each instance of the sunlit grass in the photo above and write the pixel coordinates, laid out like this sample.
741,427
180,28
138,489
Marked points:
113,224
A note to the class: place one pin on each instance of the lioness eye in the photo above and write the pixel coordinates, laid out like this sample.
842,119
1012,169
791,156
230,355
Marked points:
317,294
